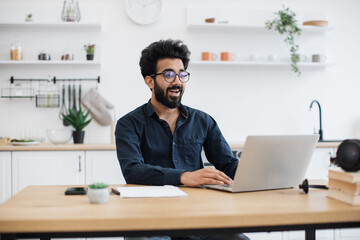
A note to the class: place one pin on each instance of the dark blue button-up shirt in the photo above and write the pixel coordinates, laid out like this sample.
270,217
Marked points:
149,154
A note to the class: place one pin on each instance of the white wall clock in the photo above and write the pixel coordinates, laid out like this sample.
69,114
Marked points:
144,11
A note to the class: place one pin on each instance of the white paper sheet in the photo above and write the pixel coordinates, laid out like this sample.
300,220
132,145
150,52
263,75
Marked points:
150,191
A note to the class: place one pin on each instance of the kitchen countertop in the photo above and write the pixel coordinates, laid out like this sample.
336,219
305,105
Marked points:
107,146
318,145
60,147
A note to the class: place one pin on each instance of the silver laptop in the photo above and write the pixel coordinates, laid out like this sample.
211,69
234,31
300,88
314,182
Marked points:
272,162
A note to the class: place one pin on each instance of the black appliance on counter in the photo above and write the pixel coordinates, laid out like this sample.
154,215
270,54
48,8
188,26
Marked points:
348,155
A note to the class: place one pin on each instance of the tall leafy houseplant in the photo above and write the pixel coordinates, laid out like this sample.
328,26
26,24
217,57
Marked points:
78,121
286,24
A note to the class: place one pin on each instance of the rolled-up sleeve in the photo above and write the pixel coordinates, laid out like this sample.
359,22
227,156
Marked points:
218,151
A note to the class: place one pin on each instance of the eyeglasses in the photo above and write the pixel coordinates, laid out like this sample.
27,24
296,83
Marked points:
170,76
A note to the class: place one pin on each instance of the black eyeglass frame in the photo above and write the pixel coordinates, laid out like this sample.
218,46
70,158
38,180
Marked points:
176,74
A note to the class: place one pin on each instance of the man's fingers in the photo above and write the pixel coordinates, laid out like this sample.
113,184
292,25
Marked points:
212,181
207,175
217,175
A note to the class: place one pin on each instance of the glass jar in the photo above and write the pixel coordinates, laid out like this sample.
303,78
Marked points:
67,56
16,52
44,56
70,11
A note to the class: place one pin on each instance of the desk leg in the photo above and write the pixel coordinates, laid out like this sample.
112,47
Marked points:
310,234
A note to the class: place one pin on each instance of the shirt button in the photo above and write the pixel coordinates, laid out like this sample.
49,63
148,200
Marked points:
176,161
174,143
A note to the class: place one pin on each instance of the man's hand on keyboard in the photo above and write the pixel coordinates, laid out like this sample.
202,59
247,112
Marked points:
203,176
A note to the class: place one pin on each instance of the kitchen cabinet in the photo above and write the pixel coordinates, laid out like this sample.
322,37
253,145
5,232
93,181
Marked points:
326,234
347,234
47,168
61,168
5,176
265,235
103,166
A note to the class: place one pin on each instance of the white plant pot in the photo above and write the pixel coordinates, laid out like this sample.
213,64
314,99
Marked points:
98,195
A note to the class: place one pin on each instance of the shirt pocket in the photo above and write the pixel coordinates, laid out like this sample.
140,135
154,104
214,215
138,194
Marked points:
189,151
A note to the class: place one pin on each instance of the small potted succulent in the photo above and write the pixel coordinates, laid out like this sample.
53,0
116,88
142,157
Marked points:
98,192
90,51
29,18
78,121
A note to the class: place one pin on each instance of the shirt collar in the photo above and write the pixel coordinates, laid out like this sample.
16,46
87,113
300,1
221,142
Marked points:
150,110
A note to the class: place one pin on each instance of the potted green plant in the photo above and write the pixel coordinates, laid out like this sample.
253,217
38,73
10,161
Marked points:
90,51
29,17
286,24
78,120
98,192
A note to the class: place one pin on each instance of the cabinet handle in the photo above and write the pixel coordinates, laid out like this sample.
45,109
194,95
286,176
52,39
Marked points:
79,164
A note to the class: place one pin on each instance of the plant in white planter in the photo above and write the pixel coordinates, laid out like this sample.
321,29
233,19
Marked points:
98,192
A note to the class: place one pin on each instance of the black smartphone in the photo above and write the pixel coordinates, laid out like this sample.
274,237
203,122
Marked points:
76,191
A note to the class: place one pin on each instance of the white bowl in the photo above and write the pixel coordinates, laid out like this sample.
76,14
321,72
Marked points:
59,136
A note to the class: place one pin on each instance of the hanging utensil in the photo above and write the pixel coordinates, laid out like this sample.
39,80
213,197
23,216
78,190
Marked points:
63,107
69,97
79,96
65,123
74,99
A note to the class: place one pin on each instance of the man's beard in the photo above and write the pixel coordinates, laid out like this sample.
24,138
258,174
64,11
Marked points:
165,99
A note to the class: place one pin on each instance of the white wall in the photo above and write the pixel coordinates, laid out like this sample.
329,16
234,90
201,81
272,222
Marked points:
243,100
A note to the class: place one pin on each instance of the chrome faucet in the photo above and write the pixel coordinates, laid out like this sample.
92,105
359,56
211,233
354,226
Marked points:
320,119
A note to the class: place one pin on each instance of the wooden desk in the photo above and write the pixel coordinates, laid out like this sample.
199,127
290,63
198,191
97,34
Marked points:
44,211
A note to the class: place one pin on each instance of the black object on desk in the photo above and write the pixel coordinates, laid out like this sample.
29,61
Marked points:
305,186
76,191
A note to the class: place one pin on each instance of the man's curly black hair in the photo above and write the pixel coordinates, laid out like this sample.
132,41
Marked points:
162,49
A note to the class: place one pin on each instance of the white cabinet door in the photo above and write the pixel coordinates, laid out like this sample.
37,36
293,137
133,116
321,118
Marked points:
5,176
265,235
47,168
347,234
324,234
103,166
320,164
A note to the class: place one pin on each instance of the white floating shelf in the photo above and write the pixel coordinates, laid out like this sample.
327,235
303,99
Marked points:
52,62
50,26
253,63
218,26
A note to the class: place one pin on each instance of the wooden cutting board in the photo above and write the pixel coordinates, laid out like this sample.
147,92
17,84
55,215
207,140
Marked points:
316,23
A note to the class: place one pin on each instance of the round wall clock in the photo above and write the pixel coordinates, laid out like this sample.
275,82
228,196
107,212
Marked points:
144,12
